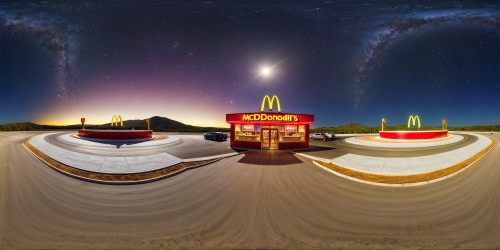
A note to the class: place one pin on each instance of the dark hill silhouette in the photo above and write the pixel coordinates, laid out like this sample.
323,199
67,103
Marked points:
157,123
163,124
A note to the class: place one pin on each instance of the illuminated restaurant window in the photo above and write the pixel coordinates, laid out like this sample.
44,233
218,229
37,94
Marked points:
247,132
292,133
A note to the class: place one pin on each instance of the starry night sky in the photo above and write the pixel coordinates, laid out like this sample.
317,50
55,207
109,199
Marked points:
194,62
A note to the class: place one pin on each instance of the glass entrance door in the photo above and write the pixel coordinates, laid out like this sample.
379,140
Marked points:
265,139
270,139
273,144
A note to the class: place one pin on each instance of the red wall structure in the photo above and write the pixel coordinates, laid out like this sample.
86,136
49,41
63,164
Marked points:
116,134
413,135
238,118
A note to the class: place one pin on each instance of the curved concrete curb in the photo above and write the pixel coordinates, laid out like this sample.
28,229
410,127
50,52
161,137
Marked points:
72,138
119,182
407,184
411,165
387,143
103,164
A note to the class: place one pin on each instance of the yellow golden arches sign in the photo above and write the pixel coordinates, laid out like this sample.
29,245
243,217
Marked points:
270,101
114,120
412,119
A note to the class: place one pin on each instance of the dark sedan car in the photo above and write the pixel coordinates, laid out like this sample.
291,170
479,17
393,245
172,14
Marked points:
216,136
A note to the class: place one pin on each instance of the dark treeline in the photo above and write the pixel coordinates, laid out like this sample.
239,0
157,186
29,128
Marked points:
26,126
158,124
167,125
354,128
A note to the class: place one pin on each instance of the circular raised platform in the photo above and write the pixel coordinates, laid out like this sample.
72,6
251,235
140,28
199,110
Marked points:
413,135
116,134
129,163
377,142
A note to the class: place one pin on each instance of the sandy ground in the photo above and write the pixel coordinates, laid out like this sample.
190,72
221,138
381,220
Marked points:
284,202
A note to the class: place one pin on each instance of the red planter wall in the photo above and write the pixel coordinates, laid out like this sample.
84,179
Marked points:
116,134
293,145
245,144
413,135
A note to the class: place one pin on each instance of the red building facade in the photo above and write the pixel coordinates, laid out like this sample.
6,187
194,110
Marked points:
269,130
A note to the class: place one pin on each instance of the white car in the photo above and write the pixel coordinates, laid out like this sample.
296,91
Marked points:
330,136
323,136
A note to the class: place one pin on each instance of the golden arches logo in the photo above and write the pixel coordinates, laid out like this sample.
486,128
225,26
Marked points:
270,101
114,120
413,119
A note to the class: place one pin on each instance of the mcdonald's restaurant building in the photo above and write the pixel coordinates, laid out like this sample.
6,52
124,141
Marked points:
269,130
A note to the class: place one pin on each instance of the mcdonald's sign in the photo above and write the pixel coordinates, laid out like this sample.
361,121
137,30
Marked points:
413,119
270,101
271,117
114,120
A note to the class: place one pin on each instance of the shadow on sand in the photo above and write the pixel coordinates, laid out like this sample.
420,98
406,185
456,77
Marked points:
116,143
269,158
314,149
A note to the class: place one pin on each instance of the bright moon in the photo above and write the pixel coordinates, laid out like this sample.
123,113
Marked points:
265,71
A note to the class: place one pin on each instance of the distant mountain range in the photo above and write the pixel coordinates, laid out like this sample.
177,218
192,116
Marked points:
157,123
163,124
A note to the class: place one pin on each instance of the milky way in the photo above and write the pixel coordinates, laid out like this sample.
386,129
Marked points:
389,31
196,61
53,37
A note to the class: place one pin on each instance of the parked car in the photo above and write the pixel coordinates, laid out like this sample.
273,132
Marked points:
330,136
216,136
323,136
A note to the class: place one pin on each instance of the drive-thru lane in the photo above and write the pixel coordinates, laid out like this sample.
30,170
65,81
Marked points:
236,203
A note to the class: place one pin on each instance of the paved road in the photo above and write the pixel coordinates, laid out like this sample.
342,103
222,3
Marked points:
284,203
